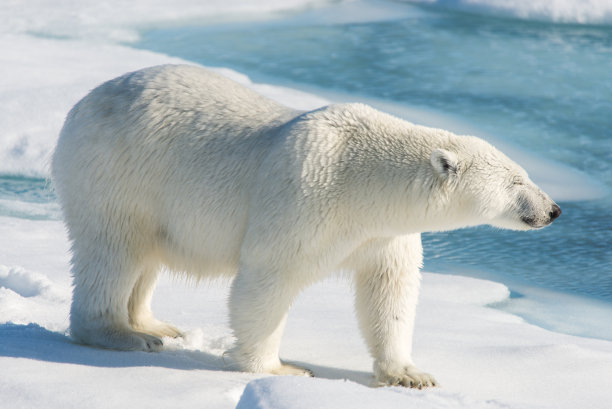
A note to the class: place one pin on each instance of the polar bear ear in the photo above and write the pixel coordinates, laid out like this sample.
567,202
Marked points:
444,162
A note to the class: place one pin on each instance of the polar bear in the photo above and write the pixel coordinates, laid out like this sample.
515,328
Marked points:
180,167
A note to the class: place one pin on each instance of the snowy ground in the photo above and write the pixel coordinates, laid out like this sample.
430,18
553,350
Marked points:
483,358
52,53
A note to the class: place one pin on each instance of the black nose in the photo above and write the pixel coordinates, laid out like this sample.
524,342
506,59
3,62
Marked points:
555,212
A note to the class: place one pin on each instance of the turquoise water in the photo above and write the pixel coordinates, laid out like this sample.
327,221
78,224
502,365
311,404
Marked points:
547,88
27,197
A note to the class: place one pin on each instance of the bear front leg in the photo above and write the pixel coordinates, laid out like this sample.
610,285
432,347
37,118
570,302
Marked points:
259,303
387,286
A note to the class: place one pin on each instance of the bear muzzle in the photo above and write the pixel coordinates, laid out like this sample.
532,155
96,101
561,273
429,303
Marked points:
537,223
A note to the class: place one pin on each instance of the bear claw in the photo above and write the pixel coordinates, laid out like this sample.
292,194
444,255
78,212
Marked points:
410,377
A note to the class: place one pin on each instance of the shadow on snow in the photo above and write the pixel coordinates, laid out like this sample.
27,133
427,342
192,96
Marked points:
35,342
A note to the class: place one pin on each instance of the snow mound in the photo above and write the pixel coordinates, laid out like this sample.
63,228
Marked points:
26,297
306,393
24,283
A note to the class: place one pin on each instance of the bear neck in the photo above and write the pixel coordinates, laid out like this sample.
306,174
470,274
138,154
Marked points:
391,187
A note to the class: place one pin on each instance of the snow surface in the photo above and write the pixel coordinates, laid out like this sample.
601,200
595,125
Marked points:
304,393
52,54
482,357
559,11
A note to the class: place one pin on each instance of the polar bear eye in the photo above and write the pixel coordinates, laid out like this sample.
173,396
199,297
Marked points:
517,182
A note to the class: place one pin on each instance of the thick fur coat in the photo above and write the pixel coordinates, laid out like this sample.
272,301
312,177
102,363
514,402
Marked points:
180,167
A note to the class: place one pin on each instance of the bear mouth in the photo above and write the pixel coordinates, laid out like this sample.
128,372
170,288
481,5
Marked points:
534,223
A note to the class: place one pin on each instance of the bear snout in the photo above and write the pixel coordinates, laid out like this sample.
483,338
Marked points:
554,213
536,222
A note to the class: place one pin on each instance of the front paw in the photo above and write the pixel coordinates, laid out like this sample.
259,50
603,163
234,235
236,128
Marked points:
408,376
289,369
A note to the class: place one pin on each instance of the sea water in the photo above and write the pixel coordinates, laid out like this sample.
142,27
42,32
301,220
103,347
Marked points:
540,88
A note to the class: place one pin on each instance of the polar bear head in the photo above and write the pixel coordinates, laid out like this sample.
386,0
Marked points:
484,186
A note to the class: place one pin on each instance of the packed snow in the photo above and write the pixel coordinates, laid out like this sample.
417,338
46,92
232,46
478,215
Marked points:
296,393
52,54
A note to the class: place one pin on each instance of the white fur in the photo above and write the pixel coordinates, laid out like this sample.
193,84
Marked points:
178,166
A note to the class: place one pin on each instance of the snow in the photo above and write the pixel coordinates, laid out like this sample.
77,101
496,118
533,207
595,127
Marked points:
482,357
305,393
560,11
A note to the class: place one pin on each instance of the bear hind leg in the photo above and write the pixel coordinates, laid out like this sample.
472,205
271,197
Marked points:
139,307
104,278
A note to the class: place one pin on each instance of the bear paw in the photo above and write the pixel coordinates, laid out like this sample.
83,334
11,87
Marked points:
158,329
120,339
408,376
148,342
248,361
288,369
